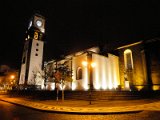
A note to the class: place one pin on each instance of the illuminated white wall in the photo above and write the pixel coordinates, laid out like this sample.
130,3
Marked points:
35,62
105,72
83,83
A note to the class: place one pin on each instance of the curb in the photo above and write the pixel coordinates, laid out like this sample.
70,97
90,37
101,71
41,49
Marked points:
67,110
73,112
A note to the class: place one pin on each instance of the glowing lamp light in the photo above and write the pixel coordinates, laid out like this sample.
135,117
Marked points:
93,64
12,76
84,63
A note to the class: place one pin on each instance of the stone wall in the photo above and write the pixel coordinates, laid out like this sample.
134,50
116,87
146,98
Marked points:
153,53
138,73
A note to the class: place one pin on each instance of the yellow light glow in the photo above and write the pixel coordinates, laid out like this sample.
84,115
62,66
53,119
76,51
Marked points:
85,63
110,74
93,64
127,86
114,75
105,71
74,86
156,87
139,88
104,74
52,86
128,51
86,87
110,86
62,88
96,72
85,84
96,77
97,86
117,72
104,86
12,76
115,85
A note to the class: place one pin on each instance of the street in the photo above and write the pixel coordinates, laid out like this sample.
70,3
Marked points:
12,112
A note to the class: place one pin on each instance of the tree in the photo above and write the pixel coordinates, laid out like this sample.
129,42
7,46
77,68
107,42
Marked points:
62,75
44,75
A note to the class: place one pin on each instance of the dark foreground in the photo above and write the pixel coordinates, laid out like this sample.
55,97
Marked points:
12,112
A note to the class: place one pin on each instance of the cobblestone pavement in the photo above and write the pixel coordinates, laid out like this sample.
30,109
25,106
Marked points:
100,107
14,112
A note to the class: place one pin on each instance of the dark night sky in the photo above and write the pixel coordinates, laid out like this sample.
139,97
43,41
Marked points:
75,24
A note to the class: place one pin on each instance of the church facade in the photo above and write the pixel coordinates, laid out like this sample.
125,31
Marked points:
89,68
133,66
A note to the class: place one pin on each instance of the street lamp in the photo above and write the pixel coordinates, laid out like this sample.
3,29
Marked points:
12,77
12,82
90,65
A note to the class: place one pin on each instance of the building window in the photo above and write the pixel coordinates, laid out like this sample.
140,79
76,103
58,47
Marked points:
79,73
37,44
128,59
36,49
36,54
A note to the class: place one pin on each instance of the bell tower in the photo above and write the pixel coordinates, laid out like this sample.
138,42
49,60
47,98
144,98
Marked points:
32,56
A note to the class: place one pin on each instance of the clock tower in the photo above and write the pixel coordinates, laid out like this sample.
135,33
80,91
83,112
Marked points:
31,65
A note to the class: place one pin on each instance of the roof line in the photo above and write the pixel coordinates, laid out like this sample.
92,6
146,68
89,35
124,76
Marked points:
129,45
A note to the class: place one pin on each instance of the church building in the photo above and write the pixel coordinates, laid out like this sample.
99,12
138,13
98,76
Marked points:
132,66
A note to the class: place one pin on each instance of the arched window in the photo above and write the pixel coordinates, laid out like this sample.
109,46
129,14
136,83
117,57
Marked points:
128,59
79,73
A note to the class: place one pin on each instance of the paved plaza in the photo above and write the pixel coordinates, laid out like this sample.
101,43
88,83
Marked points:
83,107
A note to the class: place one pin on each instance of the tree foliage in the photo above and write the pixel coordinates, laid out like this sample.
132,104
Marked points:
63,73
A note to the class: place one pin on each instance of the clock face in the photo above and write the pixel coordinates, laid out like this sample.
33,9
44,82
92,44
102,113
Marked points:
30,24
39,23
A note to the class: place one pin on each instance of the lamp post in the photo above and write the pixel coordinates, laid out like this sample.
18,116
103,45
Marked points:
89,58
12,82
90,65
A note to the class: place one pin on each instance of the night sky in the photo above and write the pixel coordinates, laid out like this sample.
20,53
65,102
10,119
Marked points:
72,25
